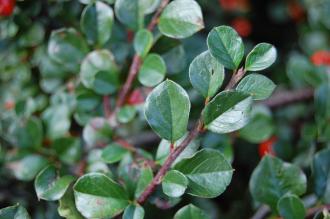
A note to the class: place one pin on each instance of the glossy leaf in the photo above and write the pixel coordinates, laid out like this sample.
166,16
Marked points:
94,63
98,196
206,74
113,153
190,212
49,186
130,13
273,178
291,207
227,112
67,207
67,48
167,110
133,212
106,82
29,133
15,211
226,45
142,42
181,19
126,114
96,22
144,180
208,173
152,71
321,173
68,149
258,86
261,57
174,183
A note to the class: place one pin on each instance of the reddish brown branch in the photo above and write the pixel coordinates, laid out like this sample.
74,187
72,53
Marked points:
156,16
236,77
106,106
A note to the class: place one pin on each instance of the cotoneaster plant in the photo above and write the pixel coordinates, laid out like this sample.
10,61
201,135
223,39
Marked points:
79,97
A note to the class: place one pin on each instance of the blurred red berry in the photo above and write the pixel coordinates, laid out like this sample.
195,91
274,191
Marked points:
296,11
232,5
321,57
136,97
130,35
242,26
266,147
9,105
6,7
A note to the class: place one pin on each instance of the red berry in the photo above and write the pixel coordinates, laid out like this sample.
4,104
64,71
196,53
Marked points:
321,57
234,5
242,26
136,97
9,105
6,7
267,147
296,11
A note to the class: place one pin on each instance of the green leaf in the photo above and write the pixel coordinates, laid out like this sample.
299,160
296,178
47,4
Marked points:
227,112
67,48
321,174
261,57
273,178
143,42
15,211
106,82
95,62
152,71
149,6
291,207
206,74
49,186
145,179
226,45
28,167
67,207
167,110
126,114
164,149
68,149
98,196
174,183
113,153
190,212
130,13
96,22
208,173
133,212
181,19
258,86
97,131
29,133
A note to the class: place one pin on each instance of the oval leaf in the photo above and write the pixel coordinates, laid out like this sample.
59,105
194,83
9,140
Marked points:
167,110
273,178
258,86
321,170
261,57
96,23
208,173
181,19
98,196
190,212
206,74
152,71
291,207
144,180
143,42
113,153
130,13
49,186
15,211
133,212
227,112
126,114
174,183
67,207
226,45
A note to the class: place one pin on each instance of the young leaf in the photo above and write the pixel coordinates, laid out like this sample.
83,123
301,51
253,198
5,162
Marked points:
152,71
133,212
321,173
113,153
96,22
167,110
144,180
181,19
67,207
190,212
273,178
49,186
291,207
143,42
15,211
95,62
149,6
67,48
98,196
130,13
126,114
174,183
208,173
261,57
226,45
206,74
227,112
256,85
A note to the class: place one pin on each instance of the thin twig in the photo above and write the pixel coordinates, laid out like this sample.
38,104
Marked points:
106,106
236,77
312,211
156,16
